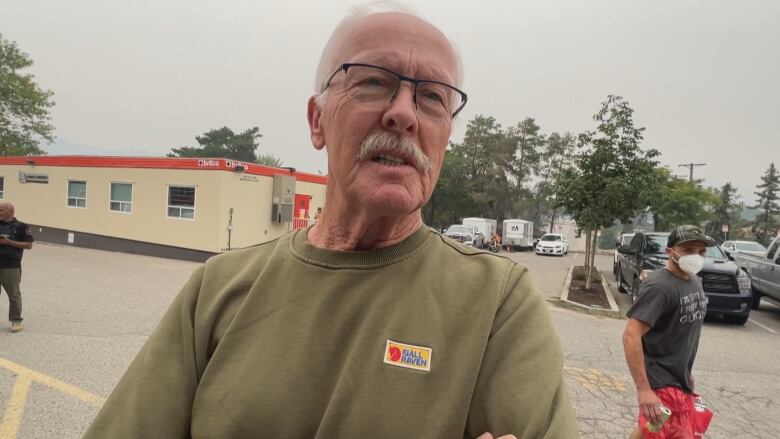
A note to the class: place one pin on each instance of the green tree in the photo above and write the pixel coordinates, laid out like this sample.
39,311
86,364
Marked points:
498,173
508,169
224,143
481,132
613,178
679,201
726,212
525,144
481,154
768,193
478,176
451,199
24,105
528,143
269,160
556,156
609,236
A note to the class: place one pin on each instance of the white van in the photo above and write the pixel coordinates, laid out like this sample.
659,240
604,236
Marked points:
517,233
487,227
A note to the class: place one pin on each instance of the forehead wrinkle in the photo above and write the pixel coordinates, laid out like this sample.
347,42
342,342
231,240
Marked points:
408,67
410,62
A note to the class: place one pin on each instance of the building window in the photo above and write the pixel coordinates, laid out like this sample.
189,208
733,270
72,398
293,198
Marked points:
2,187
121,197
181,202
24,177
77,194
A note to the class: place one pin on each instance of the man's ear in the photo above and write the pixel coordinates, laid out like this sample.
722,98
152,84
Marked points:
314,115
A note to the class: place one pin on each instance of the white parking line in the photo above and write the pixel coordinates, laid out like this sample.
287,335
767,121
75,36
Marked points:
763,326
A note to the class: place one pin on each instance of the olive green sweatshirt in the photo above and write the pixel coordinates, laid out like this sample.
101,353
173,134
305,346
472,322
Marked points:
424,339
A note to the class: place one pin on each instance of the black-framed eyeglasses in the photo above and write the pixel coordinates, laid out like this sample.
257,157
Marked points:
377,86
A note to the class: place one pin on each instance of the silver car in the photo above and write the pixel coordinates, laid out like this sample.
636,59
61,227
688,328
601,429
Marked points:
747,247
468,235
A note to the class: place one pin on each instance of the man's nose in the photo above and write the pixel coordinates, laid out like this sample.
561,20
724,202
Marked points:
401,114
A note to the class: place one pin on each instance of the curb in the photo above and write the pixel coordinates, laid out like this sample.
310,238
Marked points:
613,311
605,252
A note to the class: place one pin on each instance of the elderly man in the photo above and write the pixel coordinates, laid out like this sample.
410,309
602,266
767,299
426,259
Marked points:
368,324
15,238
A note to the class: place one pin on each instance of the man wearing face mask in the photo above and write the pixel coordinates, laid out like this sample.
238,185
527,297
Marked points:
662,336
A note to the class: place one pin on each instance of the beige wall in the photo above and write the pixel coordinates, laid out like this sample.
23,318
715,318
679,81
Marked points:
216,192
250,198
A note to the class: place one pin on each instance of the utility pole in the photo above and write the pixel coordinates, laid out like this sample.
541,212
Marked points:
691,166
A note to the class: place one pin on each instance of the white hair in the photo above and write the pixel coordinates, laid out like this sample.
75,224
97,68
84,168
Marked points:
328,61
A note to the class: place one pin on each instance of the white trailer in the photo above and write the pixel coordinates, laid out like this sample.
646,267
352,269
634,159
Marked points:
485,226
517,233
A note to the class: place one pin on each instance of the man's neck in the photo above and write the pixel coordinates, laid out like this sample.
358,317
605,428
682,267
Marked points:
675,270
361,231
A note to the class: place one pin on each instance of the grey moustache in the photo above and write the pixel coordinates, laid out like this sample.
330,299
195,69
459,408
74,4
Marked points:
381,141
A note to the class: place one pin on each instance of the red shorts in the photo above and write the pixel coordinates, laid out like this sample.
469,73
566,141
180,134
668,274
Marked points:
681,425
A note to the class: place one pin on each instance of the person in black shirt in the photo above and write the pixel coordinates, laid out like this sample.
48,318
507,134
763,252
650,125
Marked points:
662,336
15,237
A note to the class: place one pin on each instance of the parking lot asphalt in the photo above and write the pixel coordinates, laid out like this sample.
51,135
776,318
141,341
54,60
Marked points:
87,313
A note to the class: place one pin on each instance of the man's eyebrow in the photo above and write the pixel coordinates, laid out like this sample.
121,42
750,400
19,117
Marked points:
426,72
398,64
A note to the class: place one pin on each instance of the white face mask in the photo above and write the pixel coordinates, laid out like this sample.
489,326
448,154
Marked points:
690,264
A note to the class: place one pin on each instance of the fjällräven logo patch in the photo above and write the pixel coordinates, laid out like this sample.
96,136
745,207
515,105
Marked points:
408,356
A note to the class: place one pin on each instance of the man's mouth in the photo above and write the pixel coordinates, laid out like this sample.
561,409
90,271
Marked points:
389,160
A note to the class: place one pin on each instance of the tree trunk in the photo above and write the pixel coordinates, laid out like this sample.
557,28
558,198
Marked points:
593,248
587,247
552,219
590,255
521,172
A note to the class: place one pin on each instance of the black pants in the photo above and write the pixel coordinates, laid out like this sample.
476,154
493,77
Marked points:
10,278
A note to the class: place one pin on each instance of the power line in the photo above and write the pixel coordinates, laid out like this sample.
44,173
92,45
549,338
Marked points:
691,166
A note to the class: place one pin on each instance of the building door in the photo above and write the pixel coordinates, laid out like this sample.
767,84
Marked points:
301,212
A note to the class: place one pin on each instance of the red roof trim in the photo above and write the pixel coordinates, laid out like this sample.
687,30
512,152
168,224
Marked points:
159,163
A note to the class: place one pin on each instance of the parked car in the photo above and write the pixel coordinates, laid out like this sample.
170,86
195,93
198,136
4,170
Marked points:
468,235
487,227
552,244
764,272
748,247
622,240
727,287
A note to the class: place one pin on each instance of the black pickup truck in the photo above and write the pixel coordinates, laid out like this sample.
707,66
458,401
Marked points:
727,287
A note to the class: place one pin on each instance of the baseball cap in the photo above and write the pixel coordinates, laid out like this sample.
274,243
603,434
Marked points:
688,233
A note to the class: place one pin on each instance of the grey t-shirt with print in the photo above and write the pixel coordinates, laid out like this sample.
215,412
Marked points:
674,308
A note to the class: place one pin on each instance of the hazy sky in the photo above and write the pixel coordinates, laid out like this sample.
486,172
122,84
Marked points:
140,77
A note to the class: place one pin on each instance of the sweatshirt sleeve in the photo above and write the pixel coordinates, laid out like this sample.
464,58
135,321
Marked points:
520,389
154,398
